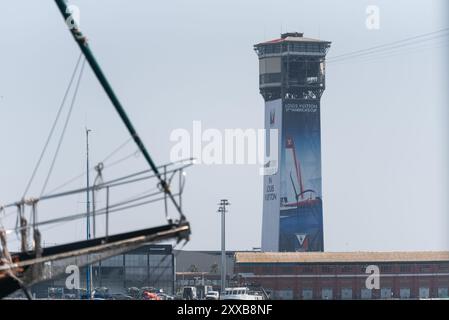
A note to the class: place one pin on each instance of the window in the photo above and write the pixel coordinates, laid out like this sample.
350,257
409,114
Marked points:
314,48
326,293
404,293
424,292
116,261
307,294
137,274
307,269
346,293
327,269
443,267
366,293
284,294
386,268
443,293
346,269
270,78
425,268
405,268
386,293
272,49
287,270
111,271
136,260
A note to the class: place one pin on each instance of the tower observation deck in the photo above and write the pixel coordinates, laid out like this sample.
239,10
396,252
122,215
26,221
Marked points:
292,67
291,81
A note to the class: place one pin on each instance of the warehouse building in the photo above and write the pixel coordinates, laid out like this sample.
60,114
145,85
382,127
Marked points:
330,275
148,266
156,266
202,269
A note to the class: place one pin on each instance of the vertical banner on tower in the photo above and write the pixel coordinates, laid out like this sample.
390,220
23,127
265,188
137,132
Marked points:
271,183
301,213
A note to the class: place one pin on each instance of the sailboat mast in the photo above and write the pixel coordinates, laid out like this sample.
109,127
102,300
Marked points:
85,49
88,267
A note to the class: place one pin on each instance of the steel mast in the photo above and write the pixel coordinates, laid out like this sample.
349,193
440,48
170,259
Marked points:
85,49
89,266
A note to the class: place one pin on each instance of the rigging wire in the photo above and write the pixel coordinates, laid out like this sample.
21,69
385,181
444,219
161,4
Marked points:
403,41
112,183
399,51
380,51
134,154
79,176
102,211
119,206
140,196
36,167
64,128
185,163
83,45
110,155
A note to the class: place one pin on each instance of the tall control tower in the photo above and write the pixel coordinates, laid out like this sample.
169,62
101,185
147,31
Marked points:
292,80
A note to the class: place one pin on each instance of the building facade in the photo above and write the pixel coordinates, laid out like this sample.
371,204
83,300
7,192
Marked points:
156,266
203,281
291,81
202,269
147,266
350,275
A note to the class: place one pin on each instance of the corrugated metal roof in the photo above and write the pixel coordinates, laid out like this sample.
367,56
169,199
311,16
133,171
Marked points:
331,257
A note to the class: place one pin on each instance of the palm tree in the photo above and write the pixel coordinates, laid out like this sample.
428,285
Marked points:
193,268
214,268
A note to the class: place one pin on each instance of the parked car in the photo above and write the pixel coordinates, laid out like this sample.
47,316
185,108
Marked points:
101,293
213,295
121,296
150,296
165,296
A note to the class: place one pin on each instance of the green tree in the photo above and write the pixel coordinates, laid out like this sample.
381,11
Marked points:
193,268
214,268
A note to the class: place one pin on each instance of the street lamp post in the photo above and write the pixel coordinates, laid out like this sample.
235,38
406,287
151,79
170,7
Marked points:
222,209
88,266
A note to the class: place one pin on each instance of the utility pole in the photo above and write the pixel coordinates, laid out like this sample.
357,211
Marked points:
88,266
222,209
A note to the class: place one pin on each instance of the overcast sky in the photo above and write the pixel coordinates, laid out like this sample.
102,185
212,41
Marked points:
384,119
